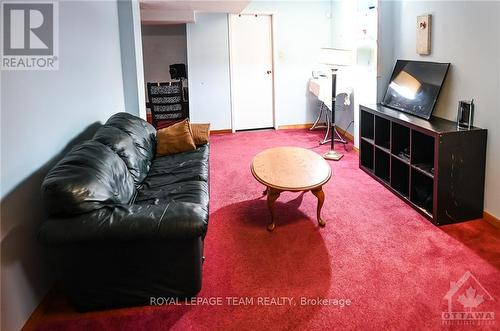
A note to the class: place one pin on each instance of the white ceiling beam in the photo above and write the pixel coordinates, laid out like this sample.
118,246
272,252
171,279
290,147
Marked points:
157,16
175,11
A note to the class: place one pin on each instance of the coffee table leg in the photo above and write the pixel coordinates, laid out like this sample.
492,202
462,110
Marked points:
318,192
265,191
272,196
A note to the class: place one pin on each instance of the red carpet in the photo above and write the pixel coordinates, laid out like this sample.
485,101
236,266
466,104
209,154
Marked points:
393,265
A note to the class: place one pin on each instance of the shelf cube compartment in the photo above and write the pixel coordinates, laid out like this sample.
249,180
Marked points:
382,132
382,165
367,125
366,155
422,150
422,191
400,177
400,145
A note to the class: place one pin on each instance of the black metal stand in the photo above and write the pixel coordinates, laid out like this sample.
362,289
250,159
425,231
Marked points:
334,96
332,154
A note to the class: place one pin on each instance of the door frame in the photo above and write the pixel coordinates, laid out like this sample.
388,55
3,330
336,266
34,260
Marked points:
273,61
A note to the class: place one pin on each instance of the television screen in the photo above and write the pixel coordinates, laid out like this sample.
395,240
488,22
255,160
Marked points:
415,86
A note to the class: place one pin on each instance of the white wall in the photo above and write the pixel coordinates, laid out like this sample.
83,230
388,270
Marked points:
41,113
343,28
349,19
162,46
129,20
208,71
467,34
385,39
302,28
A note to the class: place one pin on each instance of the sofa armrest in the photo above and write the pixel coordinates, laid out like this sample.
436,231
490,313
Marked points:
173,220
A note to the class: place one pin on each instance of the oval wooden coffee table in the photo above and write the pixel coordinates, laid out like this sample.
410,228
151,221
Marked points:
291,169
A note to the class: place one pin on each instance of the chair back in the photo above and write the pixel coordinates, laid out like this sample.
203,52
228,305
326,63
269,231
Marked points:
166,103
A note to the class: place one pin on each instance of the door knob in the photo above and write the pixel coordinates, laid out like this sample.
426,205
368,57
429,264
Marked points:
268,72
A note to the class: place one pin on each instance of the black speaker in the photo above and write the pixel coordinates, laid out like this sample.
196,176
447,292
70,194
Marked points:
465,116
178,71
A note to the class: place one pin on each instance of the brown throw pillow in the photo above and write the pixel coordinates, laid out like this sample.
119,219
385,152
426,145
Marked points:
174,139
200,133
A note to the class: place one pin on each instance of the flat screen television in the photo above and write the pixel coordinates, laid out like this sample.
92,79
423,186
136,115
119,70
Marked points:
415,86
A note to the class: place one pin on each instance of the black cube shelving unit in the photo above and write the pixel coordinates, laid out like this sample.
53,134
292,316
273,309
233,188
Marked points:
434,167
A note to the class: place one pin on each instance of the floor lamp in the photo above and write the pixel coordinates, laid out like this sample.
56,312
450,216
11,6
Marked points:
335,58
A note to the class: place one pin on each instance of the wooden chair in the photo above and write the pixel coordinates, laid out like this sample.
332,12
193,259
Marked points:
166,103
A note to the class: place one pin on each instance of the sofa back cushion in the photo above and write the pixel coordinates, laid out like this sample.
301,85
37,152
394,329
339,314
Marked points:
89,177
142,133
200,132
174,139
123,145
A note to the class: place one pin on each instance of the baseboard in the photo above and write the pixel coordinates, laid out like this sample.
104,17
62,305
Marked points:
221,131
295,126
347,135
343,132
491,219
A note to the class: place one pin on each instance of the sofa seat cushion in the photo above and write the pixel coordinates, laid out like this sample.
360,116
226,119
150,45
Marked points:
194,191
177,168
148,221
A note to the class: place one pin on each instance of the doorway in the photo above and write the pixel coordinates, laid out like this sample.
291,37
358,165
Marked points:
164,52
252,71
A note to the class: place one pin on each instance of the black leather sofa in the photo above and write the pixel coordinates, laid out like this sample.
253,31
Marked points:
124,225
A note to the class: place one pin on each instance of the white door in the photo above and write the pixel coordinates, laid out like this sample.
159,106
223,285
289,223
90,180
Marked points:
251,71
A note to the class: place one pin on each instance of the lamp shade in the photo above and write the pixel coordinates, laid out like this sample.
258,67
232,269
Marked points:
335,56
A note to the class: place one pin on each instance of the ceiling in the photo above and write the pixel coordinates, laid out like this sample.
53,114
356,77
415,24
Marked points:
176,11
